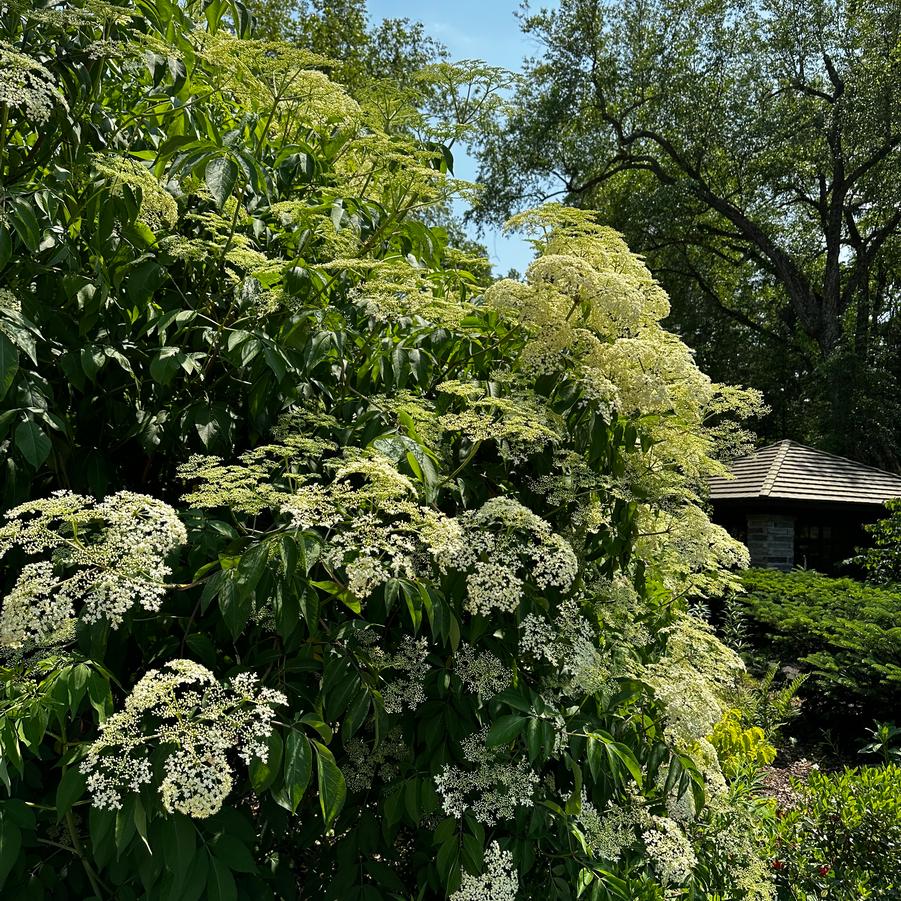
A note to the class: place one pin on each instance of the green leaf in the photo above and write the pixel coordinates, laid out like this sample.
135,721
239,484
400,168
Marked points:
220,882
332,790
213,424
32,443
221,174
101,824
10,845
6,246
235,605
195,884
165,364
264,772
25,223
179,842
71,787
144,280
234,854
9,364
505,730
298,767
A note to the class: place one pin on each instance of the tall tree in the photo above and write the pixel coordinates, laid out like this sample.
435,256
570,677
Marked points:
390,50
751,151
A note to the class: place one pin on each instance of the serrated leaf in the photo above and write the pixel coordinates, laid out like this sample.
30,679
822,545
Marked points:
235,854
332,789
71,787
505,729
298,767
220,175
10,845
220,882
25,223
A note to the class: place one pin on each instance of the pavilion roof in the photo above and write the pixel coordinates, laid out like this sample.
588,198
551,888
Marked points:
794,471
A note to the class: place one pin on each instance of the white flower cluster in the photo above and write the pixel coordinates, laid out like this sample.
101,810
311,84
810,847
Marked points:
481,671
609,832
364,766
26,85
570,644
406,690
108,555
183,707
498,882
492,790
693,680
499,546
670,851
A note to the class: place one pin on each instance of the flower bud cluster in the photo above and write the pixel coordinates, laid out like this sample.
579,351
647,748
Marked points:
197,723
491,787
103,558
27,85
365,765
498,882
405,690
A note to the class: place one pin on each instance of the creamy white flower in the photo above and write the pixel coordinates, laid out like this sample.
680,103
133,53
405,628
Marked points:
184,708
491,786
106,557
500,546
670,851
498,882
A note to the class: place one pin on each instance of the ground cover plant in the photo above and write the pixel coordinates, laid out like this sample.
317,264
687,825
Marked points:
843,839
844,633
329,571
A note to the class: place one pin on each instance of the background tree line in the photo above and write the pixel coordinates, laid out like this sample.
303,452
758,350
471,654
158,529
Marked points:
750,151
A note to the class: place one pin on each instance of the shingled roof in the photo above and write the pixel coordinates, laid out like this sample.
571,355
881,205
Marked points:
789,470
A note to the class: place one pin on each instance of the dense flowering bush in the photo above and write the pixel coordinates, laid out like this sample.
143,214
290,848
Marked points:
330,572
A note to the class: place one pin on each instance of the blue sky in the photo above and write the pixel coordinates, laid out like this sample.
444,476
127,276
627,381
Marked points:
474,29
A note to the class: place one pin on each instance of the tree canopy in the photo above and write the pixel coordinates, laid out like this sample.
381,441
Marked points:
752,152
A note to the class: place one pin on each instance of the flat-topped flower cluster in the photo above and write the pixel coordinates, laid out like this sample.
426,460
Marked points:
197,722
103,557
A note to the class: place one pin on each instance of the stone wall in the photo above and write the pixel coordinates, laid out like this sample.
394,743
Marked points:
771,540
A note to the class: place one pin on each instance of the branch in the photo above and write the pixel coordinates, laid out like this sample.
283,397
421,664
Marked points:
892,144
737,315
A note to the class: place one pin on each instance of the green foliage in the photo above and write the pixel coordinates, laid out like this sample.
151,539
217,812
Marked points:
843,840
752,152
842,632
391,51
883,741
739,747
882,559
418,626
769,705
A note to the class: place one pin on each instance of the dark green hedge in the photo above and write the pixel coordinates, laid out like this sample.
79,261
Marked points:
845,633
